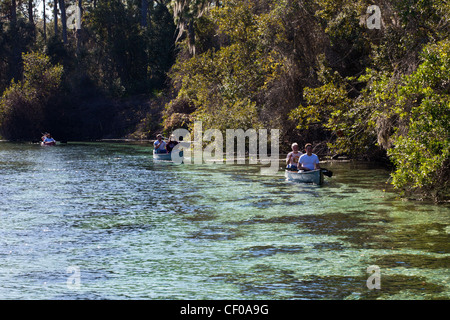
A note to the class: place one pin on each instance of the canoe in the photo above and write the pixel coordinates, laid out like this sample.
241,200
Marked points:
164,156
48,144
313,176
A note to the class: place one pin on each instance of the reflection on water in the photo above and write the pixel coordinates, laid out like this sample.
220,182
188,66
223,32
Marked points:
139,229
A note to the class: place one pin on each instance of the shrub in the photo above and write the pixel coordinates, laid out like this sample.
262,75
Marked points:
421,152
23,104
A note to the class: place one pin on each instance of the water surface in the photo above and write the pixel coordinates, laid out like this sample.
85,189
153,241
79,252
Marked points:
138,229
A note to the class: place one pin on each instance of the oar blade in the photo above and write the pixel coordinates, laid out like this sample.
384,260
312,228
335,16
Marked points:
327,172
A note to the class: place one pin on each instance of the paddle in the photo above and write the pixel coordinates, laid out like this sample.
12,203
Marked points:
327,172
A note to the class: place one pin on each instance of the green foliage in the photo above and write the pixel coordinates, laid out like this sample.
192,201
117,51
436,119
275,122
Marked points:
421,151
185,11
118,50
223,84
407,115
245,78
23,104
15,38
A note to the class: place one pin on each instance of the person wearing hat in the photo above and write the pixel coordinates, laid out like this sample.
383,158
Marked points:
159,144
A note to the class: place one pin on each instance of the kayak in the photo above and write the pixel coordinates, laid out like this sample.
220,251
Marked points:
165,156
312,176
48,144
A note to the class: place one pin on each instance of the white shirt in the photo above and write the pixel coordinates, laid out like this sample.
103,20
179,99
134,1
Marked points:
308,161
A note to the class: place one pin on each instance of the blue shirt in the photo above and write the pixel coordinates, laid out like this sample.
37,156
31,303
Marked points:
162,146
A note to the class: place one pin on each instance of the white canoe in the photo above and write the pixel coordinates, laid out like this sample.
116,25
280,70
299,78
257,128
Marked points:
164,156
313,176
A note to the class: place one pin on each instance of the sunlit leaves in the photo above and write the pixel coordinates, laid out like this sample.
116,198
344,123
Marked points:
422,154
22,106
224,84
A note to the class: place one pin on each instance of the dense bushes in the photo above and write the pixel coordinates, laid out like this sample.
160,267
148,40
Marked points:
23,106
421,148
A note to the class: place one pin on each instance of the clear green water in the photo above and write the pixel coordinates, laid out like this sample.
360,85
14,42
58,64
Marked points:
143,230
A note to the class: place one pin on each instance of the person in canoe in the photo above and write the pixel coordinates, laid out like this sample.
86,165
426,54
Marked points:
160,144
171,144
292,158
309,160
48,140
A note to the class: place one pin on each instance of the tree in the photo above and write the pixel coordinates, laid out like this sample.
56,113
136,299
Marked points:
44,19
13,11
55,16
421,148
131,59
185,13
144,13
15,54
62,7
16,36
247,73
23,104
30,12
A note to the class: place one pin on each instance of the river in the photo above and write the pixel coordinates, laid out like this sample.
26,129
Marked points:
104,221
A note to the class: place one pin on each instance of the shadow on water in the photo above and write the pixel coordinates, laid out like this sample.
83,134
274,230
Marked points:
354,227
269,250
412,261
276,283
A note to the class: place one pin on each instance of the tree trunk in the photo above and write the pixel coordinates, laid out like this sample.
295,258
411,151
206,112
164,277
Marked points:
144,11
45,21
80,7
191,36
15,53
13,12
30,11
62,7
55,15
